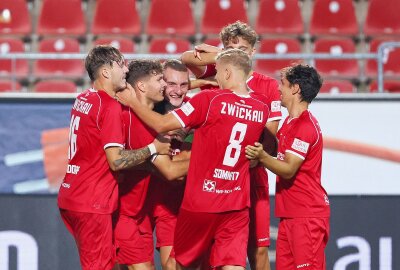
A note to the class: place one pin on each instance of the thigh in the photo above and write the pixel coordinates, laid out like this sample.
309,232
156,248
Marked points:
134,240
94,238
231,236
284,255
259,234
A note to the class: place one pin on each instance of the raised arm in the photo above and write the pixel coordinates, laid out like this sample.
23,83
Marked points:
196,60
171,169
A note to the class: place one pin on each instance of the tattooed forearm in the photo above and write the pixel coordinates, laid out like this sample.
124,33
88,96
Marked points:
130,158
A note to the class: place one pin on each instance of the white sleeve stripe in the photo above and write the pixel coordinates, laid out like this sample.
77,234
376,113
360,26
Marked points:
296,154
274,119
113,145
179,119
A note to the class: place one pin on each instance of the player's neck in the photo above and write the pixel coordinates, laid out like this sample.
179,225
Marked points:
100,85
296,109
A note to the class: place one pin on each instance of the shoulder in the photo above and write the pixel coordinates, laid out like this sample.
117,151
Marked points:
308,126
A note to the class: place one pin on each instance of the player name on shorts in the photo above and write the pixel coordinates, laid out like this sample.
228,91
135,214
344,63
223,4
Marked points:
74,169
242,111
81,106
226,175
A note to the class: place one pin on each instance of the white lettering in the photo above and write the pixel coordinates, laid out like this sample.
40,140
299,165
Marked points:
81,106
27,250
242,112
226,175
74,169
363,257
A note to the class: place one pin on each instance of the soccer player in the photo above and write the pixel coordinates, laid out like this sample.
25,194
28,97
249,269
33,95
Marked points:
201,62
165,197
133,231
301,202
214,213
89,193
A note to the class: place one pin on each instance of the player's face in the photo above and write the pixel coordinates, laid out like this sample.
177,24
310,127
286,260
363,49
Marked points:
243,45
118,75
154,88
177,86
285,90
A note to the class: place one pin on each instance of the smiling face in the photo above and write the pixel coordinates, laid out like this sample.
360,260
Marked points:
285,89
177,86
154,87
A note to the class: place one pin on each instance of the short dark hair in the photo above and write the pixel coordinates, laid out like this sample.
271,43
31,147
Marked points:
175,64
233,31
237,58
141,68
101,55
307,78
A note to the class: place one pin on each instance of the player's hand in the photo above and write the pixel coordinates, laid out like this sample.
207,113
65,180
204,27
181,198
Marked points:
126,96
177,134
163,145
255,152
206,48
253,163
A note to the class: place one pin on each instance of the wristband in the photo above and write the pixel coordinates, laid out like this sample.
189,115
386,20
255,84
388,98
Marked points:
152,149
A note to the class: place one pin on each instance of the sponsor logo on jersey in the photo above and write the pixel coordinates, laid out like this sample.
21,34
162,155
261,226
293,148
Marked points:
225,175
303,265
280,156
65,185
275,106
187,108
300,146
209,186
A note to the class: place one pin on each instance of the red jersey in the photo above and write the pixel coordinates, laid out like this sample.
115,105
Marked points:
89,184
134,184
302,196
224,122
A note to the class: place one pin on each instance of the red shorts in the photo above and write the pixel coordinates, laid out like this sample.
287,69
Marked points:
226,234
166,199
259,235
134,240
94,238
301,243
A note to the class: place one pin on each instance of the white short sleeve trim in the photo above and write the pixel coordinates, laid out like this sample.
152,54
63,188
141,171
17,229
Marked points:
113,145
179,119
296,154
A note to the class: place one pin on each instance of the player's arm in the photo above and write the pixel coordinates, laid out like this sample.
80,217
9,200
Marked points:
286,168
120,159
269,137
158,122
171,169
196,60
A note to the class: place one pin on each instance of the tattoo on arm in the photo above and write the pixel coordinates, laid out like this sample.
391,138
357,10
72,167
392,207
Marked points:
131,158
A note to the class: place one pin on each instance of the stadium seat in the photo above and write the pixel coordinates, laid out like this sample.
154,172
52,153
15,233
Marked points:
279,47
9,86
169,45
218,13
55,86
336,68
15,18
125,45
391,60
62,68
164,18
336,87
333,17
389,86
116,17
382,18
61,17
279,17
12,45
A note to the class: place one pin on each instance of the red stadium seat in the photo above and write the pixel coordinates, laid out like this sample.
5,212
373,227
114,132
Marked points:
164,18
391,66
382,18
9,86
279,47
169,45
61,17
55,86
14,17
218,13
62,68
333,17
280,17
11,45
125,45
335,87
116,17
336,68
388,86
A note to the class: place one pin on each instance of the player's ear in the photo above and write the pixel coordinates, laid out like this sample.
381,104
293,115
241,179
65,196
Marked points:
253,52
105,72
140,85
227,73
295,88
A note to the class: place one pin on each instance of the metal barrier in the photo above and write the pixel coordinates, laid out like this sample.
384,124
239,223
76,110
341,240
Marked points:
379,57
